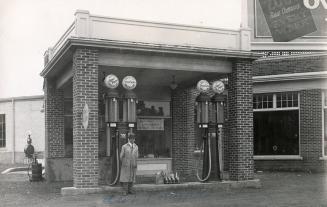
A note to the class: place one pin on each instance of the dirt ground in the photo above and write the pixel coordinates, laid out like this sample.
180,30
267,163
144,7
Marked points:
279,189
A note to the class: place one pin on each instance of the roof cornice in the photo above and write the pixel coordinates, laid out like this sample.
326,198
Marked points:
146,47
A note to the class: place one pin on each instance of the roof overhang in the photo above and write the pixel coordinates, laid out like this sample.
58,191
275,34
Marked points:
65,53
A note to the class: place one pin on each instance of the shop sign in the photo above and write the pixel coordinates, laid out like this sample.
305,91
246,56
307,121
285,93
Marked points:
129,82
287,20
111,81
150,124
203,86
218,87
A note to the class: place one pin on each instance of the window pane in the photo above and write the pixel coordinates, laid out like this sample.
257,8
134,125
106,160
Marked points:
153,108
155,143
276,133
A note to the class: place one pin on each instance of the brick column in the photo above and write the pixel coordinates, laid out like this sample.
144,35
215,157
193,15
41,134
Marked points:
240,121
311,129
183,126
85,141
54,123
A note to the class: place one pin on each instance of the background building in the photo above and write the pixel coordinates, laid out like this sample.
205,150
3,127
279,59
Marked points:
18,117
290,85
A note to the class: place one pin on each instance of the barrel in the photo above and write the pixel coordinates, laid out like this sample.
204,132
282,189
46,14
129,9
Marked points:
36,172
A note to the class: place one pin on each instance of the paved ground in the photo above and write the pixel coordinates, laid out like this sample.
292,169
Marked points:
279,189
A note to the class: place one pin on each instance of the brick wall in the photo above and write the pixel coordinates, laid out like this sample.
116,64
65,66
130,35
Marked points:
183,137
85,141
289,65
311,129
240,121
54,121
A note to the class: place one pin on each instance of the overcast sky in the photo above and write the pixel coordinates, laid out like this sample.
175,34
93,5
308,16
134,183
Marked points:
29,27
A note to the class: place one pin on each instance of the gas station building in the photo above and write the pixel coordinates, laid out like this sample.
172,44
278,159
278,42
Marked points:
167,60
275,106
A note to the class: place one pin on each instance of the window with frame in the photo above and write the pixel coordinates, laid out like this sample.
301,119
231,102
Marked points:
276,123
324,95
2,131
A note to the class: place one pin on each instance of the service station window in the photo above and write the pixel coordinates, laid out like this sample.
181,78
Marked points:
154,131
2,131
324,95
276,124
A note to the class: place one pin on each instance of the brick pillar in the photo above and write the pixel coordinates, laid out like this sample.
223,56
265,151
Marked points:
240,121
183,138
85,141
311,129
54,123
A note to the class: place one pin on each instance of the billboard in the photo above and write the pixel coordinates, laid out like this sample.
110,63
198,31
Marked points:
285,20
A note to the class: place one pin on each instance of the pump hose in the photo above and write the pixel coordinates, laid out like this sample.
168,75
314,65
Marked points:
197,173
117,163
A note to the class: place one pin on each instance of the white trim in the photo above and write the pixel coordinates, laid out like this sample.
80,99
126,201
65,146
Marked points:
277,109
277,157
323,158
291,76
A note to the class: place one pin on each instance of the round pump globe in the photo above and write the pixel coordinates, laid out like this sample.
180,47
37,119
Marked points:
218,87
129,82
111,81
203,86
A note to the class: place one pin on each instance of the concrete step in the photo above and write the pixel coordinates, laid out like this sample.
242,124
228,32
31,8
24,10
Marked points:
215,185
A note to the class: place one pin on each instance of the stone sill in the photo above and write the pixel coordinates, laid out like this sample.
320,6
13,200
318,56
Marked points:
277,157
323,158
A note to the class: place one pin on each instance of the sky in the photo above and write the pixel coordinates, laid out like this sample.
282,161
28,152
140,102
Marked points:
29,27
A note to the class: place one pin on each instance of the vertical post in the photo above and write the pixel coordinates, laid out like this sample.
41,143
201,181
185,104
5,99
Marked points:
54,125
85,139
241,165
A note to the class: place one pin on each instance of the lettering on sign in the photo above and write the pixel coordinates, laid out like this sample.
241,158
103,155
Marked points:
287,20
150,124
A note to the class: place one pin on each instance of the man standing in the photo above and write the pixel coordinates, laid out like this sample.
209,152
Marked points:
128,156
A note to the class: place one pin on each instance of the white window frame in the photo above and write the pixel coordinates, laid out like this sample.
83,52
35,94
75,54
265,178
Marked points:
281,157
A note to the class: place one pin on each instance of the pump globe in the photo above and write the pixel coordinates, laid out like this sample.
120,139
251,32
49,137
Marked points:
203,86
111,81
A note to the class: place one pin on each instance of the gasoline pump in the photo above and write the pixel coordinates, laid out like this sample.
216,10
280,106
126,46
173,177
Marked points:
112,102
129,102
218,101
112,118
202,106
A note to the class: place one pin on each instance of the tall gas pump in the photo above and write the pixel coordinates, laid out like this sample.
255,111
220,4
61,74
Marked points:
202,106
129,102
112,103
111,99
218,101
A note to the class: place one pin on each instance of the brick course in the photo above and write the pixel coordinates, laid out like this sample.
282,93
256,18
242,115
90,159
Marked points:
85,141
289,65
